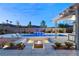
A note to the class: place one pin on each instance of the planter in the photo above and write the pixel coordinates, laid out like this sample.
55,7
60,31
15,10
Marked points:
38,45
19,46
71,48
63,48
0,47
11,48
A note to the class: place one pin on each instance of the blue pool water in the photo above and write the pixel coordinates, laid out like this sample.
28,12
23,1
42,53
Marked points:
41,34
36,34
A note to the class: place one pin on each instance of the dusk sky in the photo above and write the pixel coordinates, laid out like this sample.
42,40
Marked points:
31,12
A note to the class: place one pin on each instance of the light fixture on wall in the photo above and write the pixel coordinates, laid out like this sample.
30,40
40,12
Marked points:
73,17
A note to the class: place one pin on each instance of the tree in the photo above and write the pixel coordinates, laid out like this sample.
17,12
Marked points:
18,26
63,25
43,24
10,22
7,21
29,25
2,31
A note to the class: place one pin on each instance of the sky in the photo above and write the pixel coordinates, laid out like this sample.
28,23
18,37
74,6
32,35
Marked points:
34,12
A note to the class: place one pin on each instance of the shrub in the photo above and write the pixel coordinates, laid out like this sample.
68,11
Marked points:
48,31
68,44
61,31
58,44
43,31
2,44
10,44
20,45
24,32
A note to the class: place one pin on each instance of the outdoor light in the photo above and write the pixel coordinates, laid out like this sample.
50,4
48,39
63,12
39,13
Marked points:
73,17
38,42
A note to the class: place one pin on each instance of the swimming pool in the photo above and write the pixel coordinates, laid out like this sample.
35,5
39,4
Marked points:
36,34
41,34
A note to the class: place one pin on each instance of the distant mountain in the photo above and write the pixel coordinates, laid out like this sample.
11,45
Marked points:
11,25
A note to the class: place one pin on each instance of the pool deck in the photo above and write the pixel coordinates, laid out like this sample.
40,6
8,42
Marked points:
47,51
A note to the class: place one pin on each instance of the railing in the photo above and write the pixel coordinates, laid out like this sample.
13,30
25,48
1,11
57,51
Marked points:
71,37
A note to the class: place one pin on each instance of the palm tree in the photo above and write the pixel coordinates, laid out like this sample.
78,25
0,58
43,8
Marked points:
43,24
7,21
18,25
10,22
29,25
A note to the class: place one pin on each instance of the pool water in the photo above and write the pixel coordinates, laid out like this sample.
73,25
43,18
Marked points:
41,35
36,34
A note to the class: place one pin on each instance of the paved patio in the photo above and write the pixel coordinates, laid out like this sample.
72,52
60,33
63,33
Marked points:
47,51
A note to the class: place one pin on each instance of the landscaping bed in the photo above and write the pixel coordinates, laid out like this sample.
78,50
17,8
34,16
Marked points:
12,46
67,46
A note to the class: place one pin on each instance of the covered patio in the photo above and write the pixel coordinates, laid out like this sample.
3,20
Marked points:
73,13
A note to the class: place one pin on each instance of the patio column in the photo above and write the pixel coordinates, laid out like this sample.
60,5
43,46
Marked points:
77,28
56,30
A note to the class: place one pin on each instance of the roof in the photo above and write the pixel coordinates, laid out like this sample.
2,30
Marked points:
68,12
